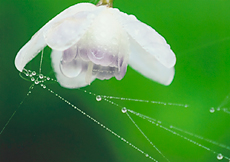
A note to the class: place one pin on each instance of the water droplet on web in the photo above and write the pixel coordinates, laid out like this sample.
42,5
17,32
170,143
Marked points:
212,110
32,79
33,73
98,98
36,82
40,76
124,110
29,92
220,157
48,78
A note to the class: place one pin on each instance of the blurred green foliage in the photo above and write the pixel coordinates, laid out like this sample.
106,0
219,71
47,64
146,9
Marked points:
46,129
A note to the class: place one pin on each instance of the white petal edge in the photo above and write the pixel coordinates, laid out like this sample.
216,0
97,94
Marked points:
64,34
76,82
148,65
147,38
37,42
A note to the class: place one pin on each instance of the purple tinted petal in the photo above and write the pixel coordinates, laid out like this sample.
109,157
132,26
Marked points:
69,54
100,56
120,74
103,72
82,52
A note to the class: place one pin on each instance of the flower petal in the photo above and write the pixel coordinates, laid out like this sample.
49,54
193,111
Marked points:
37,42
64,34
147,38
29,50
103,72
72,81
71,65
148,65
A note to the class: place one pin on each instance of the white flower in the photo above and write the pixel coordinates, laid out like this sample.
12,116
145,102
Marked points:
89,42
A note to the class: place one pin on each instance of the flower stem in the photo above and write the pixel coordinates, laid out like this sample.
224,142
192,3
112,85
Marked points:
108,3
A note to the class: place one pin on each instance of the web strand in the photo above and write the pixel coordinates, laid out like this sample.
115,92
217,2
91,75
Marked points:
40,79
28,93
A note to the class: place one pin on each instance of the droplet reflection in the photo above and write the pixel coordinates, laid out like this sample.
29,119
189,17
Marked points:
98,98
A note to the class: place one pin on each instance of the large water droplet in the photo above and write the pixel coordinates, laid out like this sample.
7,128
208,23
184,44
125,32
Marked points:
220,157
32,79
98,98
124,110
36,82
33,73
212,110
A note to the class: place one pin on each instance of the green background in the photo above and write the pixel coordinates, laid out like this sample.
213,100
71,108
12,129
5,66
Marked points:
47,129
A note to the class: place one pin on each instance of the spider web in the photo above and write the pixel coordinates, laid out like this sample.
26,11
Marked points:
134,122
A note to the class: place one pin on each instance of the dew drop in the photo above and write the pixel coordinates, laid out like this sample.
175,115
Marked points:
124,110
220,157
48,78
44,86
32,79
98,98
40,76
27,74
147,155
33,73
212,110
28,93
36,82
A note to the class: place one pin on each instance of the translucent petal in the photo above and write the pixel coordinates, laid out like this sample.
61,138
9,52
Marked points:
69,54
37,42
29,50
103,72
66,33
147,38
148,65
69,82
120,73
